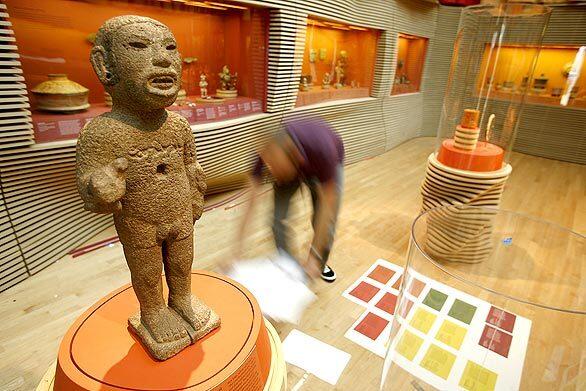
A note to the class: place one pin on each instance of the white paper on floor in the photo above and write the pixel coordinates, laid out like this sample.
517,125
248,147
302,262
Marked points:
278,284
314,356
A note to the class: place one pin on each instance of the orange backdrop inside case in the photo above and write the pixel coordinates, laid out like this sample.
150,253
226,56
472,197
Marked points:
52,36
359,44
411,54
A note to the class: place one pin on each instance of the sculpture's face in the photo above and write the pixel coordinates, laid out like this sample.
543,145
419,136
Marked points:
148,65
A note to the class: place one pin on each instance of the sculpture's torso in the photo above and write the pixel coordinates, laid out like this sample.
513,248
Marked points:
157,202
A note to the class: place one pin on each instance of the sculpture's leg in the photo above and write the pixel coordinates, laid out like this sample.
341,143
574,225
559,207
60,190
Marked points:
177,258
145,269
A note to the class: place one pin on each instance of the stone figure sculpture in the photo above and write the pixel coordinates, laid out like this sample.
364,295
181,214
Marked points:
339,70
203,86
326,80
139,163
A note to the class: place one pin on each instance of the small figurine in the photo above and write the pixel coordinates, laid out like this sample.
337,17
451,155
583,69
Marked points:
227,83
339,75
303,86
138,162
203,86
312,55
322,54
326,81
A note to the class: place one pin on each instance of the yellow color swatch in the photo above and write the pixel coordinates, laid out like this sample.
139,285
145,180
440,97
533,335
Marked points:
451,334
409,345
478,378
422,320
438,361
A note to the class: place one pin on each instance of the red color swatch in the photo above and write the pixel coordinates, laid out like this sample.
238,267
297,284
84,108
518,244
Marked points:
371,326
364,291
381,274
387,303
397,283
496,340
416,287
501,319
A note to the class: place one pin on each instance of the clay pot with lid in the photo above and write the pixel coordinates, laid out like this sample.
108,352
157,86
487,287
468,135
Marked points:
59,94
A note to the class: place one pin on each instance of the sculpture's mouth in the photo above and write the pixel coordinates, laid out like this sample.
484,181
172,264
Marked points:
163,82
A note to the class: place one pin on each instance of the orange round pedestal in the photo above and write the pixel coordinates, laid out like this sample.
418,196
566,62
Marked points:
100,353
485,157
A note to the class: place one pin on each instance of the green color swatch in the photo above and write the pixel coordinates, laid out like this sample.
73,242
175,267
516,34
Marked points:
435,299
462,311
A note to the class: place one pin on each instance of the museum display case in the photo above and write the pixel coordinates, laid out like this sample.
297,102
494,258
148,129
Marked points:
224,48
495,325
411,51
476,130
559,75
338,62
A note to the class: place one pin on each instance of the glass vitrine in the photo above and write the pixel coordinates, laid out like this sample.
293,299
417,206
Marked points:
338,62
411,52
55,37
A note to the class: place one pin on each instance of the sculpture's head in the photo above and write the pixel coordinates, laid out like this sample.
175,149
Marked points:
137,61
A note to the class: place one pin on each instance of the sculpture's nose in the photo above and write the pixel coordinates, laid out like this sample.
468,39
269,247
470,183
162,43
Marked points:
161,59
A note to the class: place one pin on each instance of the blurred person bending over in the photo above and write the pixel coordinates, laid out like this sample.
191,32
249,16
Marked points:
306,151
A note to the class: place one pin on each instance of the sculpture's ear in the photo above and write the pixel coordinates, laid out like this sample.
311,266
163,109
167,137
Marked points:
101,66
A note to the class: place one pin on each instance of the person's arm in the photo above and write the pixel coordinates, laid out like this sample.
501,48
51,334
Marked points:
327,198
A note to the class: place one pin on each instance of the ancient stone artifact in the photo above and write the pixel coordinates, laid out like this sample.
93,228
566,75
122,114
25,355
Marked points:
326,81
227,84
339,70
139,163
60,94
203,86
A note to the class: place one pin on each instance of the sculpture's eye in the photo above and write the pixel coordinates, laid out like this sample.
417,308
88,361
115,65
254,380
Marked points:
171,46
138,45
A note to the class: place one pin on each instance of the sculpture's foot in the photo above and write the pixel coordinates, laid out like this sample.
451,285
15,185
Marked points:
198,318
163,337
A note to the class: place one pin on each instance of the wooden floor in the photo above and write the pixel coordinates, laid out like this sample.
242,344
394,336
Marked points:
380,201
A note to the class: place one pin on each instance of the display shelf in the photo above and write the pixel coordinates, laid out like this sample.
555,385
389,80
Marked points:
338,62
551,77
411,51
53,127
56,36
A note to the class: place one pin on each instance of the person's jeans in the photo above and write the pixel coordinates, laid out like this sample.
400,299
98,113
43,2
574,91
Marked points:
283,195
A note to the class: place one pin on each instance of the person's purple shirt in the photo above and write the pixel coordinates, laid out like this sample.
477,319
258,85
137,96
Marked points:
322,149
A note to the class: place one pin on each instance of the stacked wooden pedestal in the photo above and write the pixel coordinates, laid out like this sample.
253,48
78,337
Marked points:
461,234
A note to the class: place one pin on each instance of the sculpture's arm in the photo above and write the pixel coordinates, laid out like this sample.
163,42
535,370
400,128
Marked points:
195,173
100,175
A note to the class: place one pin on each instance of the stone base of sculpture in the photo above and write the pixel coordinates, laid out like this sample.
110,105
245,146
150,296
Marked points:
164,350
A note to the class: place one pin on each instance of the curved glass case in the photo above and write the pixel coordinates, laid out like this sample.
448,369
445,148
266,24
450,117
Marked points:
338,62
56,36
494,44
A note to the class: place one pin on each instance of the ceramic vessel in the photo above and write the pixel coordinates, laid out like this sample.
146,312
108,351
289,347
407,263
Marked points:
61,94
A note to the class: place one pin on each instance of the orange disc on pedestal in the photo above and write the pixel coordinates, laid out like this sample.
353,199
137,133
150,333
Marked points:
100,353
485,157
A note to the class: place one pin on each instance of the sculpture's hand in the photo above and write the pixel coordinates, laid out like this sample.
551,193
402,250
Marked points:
108,185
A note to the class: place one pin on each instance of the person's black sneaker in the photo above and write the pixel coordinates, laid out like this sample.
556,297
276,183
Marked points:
328,274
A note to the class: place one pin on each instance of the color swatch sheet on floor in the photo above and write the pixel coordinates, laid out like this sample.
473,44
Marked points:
447,338
376,290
